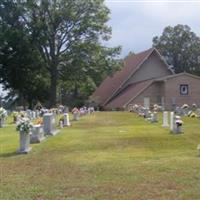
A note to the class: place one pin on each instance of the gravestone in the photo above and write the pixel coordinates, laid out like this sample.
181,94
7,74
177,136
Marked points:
147,113
37,113
29,114
61,124
37,134
33,114
66,120
198,112
154,117
76,116
2,122
165,119
171,121
147,102
66,109
177,124
49,124
24,140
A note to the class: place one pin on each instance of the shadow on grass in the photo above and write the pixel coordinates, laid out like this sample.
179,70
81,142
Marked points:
10,154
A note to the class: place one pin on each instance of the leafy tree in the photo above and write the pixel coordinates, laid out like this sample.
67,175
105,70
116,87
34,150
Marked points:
89,66
131,53
60,27
181,48
44,42
20,60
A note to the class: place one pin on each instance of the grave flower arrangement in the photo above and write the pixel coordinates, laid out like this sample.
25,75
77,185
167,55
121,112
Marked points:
179,122
75,110
15,115
3,113
193,115
184,106
24,125
39,121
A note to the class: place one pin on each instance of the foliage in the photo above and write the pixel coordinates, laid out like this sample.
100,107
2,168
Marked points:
180,46
21,67
45,43
67,35
24,125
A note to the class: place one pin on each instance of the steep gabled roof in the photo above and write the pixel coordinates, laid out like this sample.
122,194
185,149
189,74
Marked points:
113,83
129,93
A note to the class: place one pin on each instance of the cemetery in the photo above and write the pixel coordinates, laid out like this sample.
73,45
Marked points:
100,155
88,116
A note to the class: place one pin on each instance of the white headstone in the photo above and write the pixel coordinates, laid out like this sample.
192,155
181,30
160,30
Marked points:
171,121
61,124
147,113
177,124
33,114
146,102
76,116
154,117
24,141
2,122
165,119
29,113
66,119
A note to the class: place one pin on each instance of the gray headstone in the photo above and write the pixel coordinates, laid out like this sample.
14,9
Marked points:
49,124
37,134
165,119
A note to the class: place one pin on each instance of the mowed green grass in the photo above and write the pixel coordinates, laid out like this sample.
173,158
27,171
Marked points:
104,156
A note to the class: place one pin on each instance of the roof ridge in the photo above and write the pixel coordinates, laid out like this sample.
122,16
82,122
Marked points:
137,54
178,74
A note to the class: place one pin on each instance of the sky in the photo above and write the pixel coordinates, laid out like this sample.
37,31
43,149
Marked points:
134,23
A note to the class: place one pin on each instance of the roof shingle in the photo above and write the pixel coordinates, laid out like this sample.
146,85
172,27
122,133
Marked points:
128,93
112,83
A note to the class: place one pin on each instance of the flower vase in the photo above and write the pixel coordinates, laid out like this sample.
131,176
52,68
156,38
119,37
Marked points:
24,140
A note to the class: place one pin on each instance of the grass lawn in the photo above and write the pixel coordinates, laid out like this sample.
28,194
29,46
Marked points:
104,156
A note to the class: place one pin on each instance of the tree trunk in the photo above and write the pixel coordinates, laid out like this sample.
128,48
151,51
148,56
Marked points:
53,87
30,103
22,100
75,91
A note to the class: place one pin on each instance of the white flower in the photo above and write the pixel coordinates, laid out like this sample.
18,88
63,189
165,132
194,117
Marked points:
24,125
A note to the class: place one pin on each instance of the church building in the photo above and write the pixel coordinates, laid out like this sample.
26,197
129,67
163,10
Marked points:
146,79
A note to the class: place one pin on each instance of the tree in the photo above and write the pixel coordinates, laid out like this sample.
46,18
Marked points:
60,26
131,53
181,48
43,41
20,60
85,74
